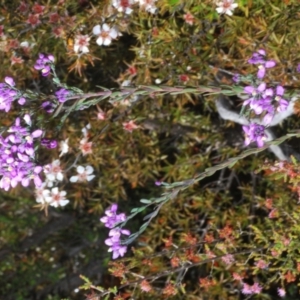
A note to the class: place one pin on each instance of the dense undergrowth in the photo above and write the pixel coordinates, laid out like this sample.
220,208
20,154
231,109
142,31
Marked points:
232,235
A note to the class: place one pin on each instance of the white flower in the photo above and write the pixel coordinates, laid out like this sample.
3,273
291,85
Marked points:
226,7
27,119
81,43
26,45
123,6
53,172
85,130
85,145
56,198
105,34
84,174
126,83
63,147
148,5
40,193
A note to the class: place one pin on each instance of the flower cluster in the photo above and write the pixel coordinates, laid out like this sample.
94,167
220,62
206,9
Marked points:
8,94
17,156
53,174
262,100
266,100
44,63
48,193
114,240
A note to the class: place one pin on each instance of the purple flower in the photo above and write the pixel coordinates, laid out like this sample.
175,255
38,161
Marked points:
8,94
236,78
298,68
62,94
43,64
111,217
50,144
117,250
270,112
10,81
35,176
114,241
17,161
254,133
22,101
255,93
262,68
48,107
282,103
259,58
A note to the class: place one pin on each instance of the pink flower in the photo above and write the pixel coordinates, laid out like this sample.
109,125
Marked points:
54,18
145,286
101,115
228,259
281,292
33,20
86,146
184,78
23,7
262,264
256,288
38,9
237,276
130,126
16,60
249,290
189,18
